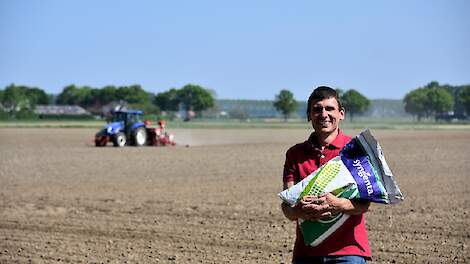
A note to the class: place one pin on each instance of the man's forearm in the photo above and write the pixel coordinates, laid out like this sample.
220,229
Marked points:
353,207
289,212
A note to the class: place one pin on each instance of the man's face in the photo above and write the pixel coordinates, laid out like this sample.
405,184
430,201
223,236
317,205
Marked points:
325,115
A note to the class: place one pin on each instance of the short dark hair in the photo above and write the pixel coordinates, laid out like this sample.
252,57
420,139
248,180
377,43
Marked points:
320,93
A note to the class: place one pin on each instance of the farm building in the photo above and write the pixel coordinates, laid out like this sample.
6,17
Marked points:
60,110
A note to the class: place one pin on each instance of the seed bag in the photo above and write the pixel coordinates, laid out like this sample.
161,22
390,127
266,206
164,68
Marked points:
359,172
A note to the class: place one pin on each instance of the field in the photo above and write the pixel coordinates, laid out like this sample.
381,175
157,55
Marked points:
64,201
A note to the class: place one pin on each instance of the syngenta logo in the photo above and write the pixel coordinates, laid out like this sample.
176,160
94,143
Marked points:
364,175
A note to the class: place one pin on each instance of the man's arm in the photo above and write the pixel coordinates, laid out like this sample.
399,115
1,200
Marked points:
309,208
289,212
351,207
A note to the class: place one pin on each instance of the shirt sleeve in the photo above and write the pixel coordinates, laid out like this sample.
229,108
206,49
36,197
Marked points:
289,168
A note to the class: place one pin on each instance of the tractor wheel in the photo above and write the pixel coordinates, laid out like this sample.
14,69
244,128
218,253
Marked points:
140,136
119,140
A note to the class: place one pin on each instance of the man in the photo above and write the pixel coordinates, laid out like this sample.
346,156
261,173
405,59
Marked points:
349,243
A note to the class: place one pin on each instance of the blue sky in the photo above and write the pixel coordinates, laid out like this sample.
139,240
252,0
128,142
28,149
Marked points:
241,49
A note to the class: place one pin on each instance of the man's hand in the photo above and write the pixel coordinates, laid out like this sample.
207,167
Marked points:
313,208
342,205
309,208
318,207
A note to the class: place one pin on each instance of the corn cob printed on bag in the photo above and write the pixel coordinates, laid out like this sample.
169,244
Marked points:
359,172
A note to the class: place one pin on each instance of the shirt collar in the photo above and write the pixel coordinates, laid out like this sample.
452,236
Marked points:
340,140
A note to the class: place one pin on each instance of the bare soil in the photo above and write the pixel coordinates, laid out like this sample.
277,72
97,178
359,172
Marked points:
62,200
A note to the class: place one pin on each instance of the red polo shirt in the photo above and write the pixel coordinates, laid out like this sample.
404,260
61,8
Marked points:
351,238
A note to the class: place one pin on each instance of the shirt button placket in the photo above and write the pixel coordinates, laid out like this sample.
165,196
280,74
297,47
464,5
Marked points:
321,158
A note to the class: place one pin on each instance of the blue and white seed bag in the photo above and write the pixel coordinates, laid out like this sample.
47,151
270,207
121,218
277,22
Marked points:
359,172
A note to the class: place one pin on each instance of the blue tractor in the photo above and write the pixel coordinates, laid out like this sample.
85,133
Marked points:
125,128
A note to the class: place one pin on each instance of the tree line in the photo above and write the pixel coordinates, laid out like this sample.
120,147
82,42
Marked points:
433,101
20,101
438,101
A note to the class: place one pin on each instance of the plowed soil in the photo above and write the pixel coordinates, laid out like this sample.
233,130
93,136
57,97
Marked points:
62,200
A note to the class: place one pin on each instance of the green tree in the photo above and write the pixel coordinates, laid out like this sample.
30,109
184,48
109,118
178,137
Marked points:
439,100
20,101
37,96
108,94
432,84
93,98
194,98
167,101
134,94
1,100
464,98
430,100
70,95
415,103
354,102
86,96
15,99
285,103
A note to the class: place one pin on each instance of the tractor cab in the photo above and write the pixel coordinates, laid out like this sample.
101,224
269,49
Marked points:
129,116
128,120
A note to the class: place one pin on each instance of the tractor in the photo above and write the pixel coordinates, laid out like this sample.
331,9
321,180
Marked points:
126,128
